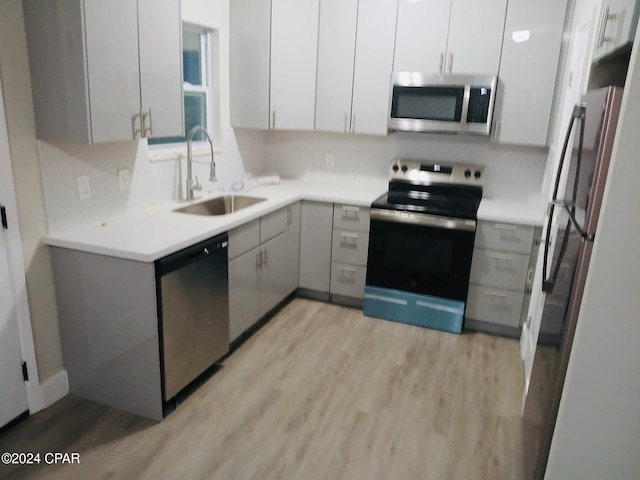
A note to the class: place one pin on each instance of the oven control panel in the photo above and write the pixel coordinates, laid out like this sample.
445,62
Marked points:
431,172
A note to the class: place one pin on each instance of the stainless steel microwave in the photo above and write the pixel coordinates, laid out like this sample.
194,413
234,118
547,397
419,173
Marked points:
421,102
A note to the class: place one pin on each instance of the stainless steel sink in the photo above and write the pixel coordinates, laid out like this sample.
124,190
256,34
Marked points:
220,205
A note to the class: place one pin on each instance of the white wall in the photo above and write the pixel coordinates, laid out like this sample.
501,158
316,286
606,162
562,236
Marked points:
512,172
597,434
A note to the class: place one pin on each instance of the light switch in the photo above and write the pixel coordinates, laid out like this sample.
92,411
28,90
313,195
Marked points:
84,187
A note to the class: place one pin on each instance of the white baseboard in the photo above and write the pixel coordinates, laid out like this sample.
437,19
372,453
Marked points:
55,388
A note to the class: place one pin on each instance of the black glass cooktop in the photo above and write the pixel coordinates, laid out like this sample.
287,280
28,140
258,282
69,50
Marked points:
447,201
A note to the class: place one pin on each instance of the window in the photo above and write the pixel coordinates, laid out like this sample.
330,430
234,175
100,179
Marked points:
197,85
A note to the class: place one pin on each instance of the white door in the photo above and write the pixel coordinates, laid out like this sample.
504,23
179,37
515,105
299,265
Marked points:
13,393
475,36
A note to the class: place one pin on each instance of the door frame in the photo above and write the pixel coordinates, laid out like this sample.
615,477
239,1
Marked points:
18,281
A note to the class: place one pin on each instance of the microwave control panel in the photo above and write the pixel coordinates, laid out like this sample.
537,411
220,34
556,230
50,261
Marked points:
478,105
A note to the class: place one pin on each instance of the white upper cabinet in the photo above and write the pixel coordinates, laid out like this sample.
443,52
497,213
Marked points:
530,54
373,65
456,36
294,50
249,54
616,26
161,96
421,37
105,71
355,59
475,36
336,55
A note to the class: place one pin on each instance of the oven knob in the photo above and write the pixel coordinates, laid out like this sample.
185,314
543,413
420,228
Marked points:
404,169
395,168
467,173
477,174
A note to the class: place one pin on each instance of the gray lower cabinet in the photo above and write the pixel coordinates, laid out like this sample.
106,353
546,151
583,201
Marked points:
316,230
264,257
501,273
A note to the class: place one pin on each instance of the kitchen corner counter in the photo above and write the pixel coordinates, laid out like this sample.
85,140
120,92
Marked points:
153,233
528,211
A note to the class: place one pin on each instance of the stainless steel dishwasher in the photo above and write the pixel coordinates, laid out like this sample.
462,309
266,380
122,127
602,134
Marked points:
193,311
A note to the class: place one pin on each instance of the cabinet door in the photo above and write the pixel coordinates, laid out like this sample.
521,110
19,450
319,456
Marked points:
244,306
421,36
249,50
273,275
528,70
336,55
291,267
374,62
111,35
160,40
294,54
475,36
315,246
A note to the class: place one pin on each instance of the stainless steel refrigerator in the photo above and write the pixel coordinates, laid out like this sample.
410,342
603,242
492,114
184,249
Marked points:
584,166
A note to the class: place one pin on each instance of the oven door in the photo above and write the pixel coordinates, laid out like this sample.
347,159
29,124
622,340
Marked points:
420,253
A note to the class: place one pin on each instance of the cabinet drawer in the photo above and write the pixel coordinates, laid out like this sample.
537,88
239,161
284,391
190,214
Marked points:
273,224
244,238
493,305
350,247
507,237
499,269
347,280
346,217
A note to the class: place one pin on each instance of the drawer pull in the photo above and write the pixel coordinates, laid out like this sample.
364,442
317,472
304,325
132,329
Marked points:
350,213
498,256
353,236
346,269
495,294
502,226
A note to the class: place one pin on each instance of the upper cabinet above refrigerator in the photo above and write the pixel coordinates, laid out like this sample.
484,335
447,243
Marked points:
105,71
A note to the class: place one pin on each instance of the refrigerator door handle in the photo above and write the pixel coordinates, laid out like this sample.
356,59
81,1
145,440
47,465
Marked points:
579,113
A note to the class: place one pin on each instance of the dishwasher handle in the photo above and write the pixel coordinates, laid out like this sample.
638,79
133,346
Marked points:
217,245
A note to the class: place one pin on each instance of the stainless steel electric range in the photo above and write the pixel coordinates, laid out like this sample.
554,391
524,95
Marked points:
421,243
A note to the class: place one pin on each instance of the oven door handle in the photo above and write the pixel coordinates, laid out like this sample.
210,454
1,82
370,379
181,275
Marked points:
436,221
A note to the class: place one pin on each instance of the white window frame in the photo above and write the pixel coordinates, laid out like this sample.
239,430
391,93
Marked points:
209,54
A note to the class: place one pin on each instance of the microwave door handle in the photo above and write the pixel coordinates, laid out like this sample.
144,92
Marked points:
466,96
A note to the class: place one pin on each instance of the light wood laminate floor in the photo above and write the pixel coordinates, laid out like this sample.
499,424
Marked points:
320,392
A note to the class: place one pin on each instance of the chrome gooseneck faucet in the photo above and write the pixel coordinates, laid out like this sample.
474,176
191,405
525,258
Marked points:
191,185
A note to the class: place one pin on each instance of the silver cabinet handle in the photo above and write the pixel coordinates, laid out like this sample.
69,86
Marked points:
346,269
264,260
353,123
499,256
450,61
289,215
601,28
346,121
495,294
603,32
273,120
501,226
348,208
441,62
144,124
353,236
135,131
258,260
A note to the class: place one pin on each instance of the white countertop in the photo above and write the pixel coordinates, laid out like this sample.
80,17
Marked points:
151,234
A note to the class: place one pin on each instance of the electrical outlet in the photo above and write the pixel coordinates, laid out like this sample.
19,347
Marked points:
124,180
329,160
84,187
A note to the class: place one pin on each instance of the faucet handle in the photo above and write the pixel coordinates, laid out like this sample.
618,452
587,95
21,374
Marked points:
197,186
